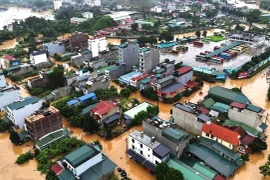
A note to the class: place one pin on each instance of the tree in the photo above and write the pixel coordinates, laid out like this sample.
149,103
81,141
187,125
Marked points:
96,142
56,77
245,157
14,137
257,145
198,33
204,33
4,126
161,171
165,35
265,169
253,16
125,92
134,27
174,174
51,176
90,124
153,110
236,89
123,40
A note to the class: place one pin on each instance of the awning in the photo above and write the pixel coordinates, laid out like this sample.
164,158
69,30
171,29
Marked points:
149,165
136,156
263,126
111,118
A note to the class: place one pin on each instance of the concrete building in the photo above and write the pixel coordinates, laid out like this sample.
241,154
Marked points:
149,59
9,61
39,82
43,122
77,41
55,47
184,74
97,45
121,15
136,81
9,95
81,57
171,137
57,4
3,82
87,162
127,78
130,114
97,2
88,15
58,93
248,114
17,111
157,9
146,150
188,117
226,137
39,57
76,20
129,54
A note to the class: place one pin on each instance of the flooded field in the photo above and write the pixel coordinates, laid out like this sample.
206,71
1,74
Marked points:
8,44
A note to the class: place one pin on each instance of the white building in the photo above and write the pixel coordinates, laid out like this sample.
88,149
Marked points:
17,111
121,15
146,149
9,95
57,4
39,57
88,15
3,82
157,9
98,44
97,2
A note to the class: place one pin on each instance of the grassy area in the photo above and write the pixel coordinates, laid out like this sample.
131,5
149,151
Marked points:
150,19
216,38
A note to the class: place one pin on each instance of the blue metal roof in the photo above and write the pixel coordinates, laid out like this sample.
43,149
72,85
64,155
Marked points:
161,150
204,117
127,77
72,102
111,118
135,156
87,96
181,106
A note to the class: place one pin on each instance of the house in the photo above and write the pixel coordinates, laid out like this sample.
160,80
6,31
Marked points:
3,82
248,114
227,96
149,59
184,74
141,23
43,122
88,15
245,139
171,6
86,162
55,47
82,100
40,81
8,61
58,93
226,137
18,110
177,22
120,15
146,150
76,20
81,57
170,136
106,113
188,117
97,44
127,78
157,9
9,95
77,41
137,80
129,54
39,57
130,114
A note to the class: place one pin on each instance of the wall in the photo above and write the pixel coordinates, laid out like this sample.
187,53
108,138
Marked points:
20,114
91,162
185,77
176,148
111,112
150,60
78,60
121,70
129,55
96,85
3,82
9,97
186,120
246,116
30,68
220,141
54,47
109,55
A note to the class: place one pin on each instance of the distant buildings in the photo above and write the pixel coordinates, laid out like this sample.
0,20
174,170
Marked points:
129,54
18,110
77,41
39,57
76,20
88,15
97,45
157,9
9,61
184,74
57,4
146,150
120,15
43,122
149,59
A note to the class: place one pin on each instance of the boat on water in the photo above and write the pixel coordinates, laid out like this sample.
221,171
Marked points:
268,74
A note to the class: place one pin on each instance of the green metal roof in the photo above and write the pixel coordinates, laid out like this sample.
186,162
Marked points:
1,72
47,140
159,71
216,73
253,108
220,107
66,175
200,167
247,128
232,45
175,134
123,45
144,49
23,134
160,81
145,80
88,108
208,102
188,172
12,68
102,70
227,96
134,111
81,155
21,104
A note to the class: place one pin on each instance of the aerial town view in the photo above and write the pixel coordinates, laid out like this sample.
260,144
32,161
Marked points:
134,90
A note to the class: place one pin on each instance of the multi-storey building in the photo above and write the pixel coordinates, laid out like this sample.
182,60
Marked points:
149,59
129,54
43,122
78,41
97,45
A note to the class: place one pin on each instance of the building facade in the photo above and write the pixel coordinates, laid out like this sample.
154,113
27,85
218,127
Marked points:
97,45
149,59
54,47
78,41
129,54
43,122
39,57
184,74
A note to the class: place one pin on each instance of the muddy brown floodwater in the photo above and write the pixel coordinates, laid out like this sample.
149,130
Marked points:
255,88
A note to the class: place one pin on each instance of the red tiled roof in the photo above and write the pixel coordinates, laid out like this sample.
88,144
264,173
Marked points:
240,131
140,77
219,177
203,110
184,69
57,169
238,105
103,107
221,133
191,84
8,57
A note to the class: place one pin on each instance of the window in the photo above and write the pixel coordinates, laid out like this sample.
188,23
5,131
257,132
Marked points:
156,162
221,142
212,136
207,135
133,140
141,145
133,147
148,149
148,155
141,152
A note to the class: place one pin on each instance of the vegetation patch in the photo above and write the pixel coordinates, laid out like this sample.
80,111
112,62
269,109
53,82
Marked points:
23,158
216,38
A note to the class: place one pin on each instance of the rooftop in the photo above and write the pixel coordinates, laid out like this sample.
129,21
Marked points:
81,155
201,168
87,96
40,114
160,81
161,150
220,107
103,107
221,133
254,108
22,103
127,77
208,102
8,57
138,78
144,139
134,111
238,105
88,108
174,133
183,107
39,52
184,69
172,88
247,128
78,19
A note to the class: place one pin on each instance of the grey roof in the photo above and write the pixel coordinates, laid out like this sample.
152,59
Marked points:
39,52
88,108
204,117
111,118
144,139
161,150
174,133
172,87
22,103
182,107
